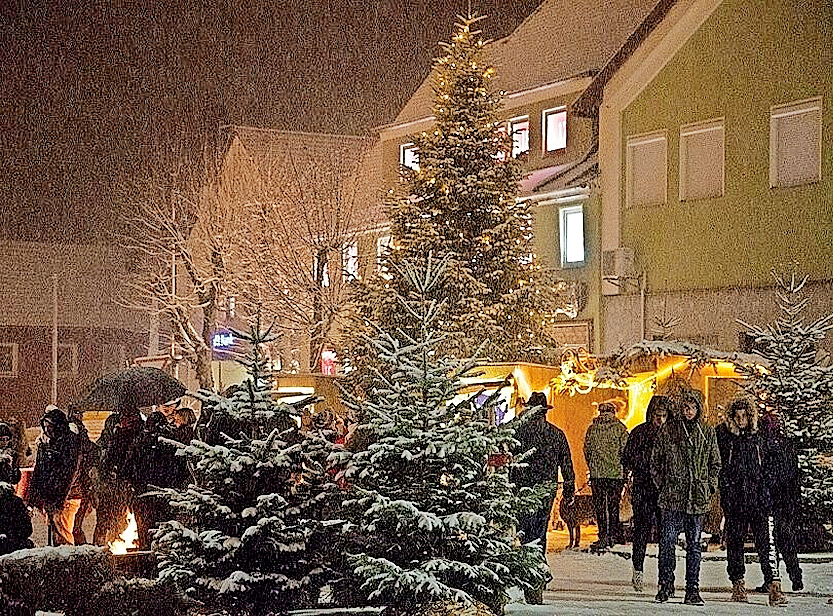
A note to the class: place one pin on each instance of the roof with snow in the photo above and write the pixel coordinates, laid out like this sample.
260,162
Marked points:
311,168
562,39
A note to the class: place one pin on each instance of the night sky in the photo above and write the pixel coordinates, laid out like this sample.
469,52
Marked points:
92,92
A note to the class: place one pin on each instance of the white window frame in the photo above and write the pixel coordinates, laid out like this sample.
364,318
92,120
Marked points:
350,257
15,360
696,128
73,349
563,213
633,141
806,106
383,241
545,132
519,146
412,161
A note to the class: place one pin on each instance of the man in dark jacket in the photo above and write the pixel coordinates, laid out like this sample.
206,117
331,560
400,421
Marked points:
784,480
636,459
745,498
604,443
55,486
551,454
685,465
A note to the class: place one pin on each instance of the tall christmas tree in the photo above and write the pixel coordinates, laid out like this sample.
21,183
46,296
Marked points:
460,204
432,519
799,385
250,534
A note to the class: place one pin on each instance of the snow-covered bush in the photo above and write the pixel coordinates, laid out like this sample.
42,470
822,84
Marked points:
249,534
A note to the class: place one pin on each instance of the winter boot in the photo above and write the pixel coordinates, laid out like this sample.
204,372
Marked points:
638,581
692,597
776,597
739,592
662,595
797,584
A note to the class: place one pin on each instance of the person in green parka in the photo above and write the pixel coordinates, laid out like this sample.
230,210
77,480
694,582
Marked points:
685,465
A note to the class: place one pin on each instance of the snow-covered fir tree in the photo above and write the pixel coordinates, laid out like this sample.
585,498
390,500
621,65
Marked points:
460,204
432,519
799,386
249,535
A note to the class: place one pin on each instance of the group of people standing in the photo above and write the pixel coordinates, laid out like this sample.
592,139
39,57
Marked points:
73,475
678,462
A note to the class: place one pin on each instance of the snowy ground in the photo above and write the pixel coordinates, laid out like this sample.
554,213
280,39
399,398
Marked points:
591,584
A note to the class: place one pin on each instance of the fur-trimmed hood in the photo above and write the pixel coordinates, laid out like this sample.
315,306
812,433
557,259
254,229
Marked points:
751,411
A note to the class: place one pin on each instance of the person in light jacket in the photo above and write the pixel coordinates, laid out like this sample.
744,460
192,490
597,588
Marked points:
604,443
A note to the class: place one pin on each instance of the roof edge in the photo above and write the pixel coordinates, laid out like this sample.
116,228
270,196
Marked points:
587,104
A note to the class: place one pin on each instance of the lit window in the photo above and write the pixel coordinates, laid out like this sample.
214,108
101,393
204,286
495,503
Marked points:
383,244
571,223
795,143
646,169
328,362
321,268
67,360
8,359
409,156
351,261
701,160
519,129
554,127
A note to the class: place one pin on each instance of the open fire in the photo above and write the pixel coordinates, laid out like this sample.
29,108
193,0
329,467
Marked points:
127,540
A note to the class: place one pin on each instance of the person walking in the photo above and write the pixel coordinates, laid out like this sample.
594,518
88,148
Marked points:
56,486
550,454
636,460
604,443
685,466
745,497
784,481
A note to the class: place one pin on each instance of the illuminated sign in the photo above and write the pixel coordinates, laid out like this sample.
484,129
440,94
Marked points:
328,362
222,340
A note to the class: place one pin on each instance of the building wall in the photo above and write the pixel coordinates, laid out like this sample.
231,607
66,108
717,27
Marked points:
745,58
706,316
98,352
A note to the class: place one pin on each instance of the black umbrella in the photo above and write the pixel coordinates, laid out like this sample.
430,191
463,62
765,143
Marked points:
137,386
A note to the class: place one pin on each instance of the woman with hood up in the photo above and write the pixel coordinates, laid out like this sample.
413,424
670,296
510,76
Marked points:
685,465
636,459
745,497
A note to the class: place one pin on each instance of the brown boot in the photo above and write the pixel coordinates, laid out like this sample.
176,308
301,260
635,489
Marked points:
739,592
776,597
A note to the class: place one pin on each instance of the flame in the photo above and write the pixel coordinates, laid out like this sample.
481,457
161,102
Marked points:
128,537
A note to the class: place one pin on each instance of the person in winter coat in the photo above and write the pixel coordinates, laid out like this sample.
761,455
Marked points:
784,482
8,448
121,431
551,454
56,486
88,475
604,443
15,523
745,498
636,459
685,466
153,464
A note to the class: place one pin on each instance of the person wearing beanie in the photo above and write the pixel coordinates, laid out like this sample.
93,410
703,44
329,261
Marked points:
604,443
